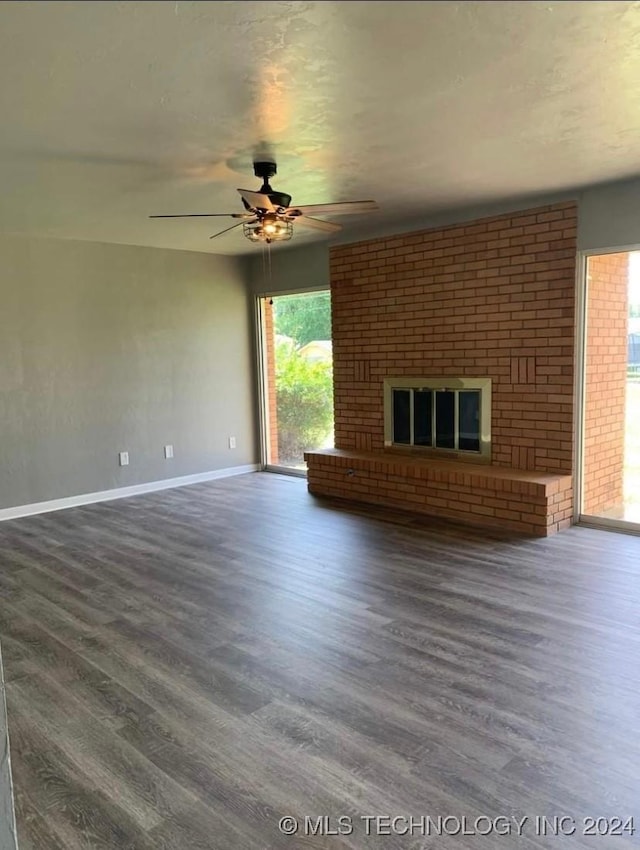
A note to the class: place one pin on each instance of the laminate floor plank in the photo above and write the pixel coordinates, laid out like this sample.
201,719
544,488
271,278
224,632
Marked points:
130,782
185,668
74,813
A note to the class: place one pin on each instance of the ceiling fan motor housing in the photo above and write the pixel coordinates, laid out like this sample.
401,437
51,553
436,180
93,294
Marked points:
266,170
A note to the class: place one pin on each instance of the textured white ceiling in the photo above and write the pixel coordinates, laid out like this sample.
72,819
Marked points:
114,110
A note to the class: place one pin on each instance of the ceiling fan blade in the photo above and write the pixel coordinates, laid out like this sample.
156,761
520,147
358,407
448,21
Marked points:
341,208
256,200
233,227
206,215
317,224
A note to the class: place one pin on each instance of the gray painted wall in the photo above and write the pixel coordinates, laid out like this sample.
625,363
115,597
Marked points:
105,348
609,216
291,269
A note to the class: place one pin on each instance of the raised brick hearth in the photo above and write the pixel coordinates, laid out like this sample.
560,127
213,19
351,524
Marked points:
517,500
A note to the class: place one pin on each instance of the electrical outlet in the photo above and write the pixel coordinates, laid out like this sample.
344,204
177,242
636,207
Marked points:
168,452
232,442
123,458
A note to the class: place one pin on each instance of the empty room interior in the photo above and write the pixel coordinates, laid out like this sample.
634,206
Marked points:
320,418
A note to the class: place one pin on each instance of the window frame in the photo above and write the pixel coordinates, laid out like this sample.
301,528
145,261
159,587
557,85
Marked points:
483,385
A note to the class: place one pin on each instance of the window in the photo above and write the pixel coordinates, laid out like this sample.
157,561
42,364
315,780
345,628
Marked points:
439,414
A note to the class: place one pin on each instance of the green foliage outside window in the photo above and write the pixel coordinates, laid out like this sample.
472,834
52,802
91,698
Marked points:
303,317
304,400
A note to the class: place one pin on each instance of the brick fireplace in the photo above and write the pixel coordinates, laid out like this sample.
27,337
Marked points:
493,297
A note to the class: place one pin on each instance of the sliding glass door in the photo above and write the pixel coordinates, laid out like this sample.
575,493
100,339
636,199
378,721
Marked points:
298,377
610,435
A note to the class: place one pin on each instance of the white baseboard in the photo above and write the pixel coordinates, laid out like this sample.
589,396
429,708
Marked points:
123,492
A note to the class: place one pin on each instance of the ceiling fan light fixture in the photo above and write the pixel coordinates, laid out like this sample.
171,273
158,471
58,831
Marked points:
269,229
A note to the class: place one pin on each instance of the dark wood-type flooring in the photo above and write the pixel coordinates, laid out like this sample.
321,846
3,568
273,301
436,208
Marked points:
185,668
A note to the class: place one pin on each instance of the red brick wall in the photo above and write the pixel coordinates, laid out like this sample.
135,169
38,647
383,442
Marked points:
272,411
606,381
492,298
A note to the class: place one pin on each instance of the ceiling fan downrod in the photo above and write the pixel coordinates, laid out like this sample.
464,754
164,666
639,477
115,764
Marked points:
266,170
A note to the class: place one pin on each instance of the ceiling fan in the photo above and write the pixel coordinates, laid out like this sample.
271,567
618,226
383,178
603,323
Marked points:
269,216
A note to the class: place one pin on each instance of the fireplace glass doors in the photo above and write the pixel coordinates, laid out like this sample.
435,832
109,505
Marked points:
429,415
